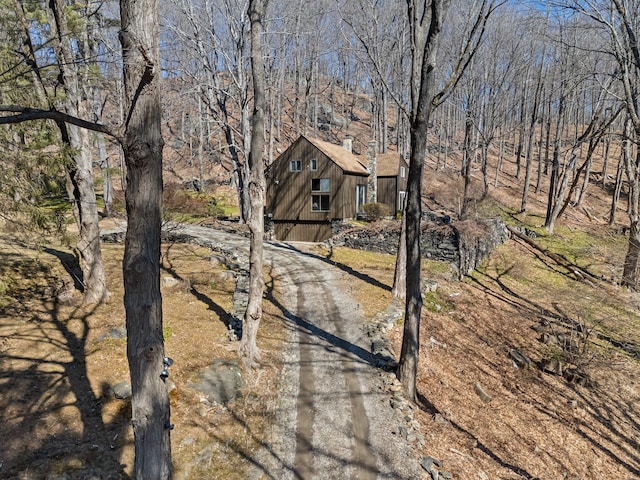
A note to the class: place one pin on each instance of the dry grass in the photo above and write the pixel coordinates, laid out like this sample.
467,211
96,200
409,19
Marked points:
537,425
55,408
373,270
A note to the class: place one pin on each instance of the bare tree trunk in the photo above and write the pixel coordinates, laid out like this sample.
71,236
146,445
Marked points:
297,65
593,142
540,149
605,160
425,22
521,126
576,178
200,150
424,52
107,184
500,160
89,251
248,347
616,191
467,157
554,178
81,184
142,144
399,289
384,134
547,142
558,189
630,269
484,149
530,139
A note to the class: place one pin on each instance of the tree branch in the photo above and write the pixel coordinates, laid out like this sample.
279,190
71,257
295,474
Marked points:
469,50
26,114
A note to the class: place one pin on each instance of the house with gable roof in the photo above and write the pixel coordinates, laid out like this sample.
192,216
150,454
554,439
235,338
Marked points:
315,183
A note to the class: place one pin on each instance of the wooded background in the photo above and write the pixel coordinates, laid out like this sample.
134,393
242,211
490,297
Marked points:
550,85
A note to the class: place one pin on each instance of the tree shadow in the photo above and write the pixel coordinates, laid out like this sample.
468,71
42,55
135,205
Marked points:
71,264
425,405
607,420
222,314
345,268
267,468
271,462
602,416
309,328
508,296
51,418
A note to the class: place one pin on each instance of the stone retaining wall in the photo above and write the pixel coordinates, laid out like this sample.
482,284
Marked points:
465,244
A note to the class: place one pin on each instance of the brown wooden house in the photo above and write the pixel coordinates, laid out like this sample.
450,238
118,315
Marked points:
315,183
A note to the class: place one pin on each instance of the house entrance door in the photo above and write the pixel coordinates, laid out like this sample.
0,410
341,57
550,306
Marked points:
361,197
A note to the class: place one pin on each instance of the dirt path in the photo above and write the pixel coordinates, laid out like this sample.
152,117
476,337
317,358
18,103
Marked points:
335,421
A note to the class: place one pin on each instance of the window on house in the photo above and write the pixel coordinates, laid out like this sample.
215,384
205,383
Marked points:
319,203
320,185
313,163
401,172
295,166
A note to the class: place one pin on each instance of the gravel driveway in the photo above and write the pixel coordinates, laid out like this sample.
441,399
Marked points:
335,419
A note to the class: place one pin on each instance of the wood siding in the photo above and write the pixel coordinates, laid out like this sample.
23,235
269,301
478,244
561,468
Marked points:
387,193
290,193
302,231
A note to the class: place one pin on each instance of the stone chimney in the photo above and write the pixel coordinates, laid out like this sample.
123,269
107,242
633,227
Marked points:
347,144
372,165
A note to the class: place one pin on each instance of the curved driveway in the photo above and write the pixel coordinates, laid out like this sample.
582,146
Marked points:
335,420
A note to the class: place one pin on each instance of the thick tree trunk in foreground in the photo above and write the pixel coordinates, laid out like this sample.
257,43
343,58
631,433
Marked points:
142,147
408,365
424,51
256,184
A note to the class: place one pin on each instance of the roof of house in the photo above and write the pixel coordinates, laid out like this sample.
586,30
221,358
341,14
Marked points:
348,162
388,164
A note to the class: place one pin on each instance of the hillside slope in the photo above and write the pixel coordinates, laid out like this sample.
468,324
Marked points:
573,410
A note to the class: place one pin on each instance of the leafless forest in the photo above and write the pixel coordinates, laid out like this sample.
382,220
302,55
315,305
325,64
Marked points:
536,102
549,85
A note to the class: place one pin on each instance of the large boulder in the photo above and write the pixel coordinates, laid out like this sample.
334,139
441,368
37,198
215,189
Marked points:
221,382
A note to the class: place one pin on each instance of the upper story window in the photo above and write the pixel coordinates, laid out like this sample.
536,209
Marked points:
320,185
402,172
295,166
313,164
